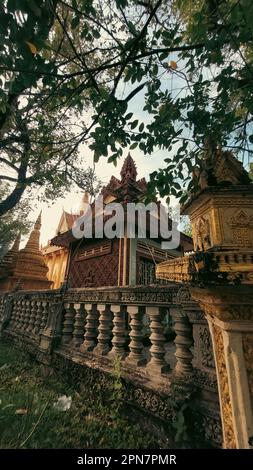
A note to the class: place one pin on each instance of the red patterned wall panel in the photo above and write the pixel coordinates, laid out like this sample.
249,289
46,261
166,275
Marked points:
97,271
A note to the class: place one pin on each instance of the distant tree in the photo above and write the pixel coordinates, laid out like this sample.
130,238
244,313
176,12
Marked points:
70,69
88,181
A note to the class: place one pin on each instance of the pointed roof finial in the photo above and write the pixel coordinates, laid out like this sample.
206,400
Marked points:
86,197
33,244
128,170
85,200
37,224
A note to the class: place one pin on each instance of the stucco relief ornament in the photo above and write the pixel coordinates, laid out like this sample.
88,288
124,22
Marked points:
202,233
206,347
242,225
183,295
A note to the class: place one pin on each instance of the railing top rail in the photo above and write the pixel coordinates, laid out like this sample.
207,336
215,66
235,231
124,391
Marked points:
31,294
161,287
141,295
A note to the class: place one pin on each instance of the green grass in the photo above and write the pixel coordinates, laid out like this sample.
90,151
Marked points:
89,423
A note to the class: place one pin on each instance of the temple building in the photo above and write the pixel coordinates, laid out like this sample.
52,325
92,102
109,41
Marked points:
56,257
25,269
121,261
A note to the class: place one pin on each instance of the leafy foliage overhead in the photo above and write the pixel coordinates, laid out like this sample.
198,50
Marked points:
71,70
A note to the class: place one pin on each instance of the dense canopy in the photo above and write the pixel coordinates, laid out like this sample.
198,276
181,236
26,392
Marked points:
70,71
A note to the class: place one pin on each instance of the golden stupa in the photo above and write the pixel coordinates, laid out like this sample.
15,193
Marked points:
7,263
26,268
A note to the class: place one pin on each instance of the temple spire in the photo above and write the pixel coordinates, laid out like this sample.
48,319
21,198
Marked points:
128,170
30,267
15,247
33,244
10,256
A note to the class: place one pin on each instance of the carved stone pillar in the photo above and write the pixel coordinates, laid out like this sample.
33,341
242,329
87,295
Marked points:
229,311
135,356
119,331
157,362
78,325
105,330
51,334
183,341
91,331
68,324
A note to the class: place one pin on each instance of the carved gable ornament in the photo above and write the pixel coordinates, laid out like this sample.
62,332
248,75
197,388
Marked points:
229,169
224,170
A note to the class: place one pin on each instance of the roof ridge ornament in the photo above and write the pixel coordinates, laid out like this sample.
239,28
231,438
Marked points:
220,168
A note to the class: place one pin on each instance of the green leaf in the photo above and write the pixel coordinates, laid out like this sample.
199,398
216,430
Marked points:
134,124
97,155
134,145
128,116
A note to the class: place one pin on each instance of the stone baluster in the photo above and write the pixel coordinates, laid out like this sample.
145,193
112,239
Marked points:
104,329
78,325
13,315
38,318
135,356
18,314
91,330
119,331
22,312
68,324
27,315
157,363
183,341
33,310
45,307
1,308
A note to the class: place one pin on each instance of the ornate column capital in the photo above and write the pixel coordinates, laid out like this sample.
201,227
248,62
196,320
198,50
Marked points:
227,303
